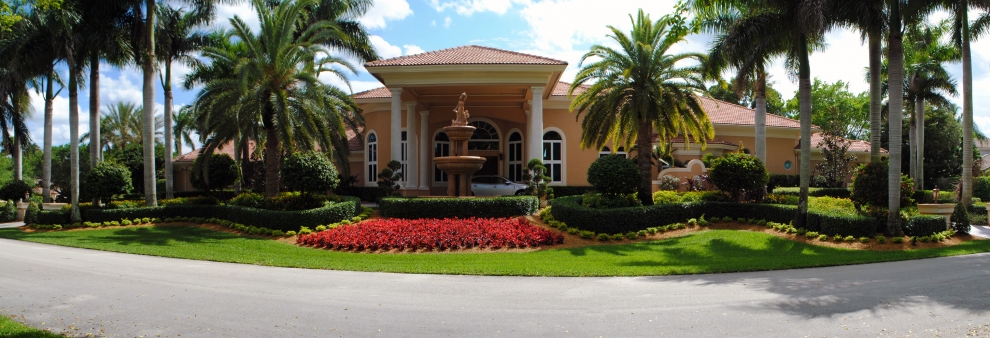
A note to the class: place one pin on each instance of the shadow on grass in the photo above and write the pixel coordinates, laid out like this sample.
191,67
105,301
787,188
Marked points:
147,236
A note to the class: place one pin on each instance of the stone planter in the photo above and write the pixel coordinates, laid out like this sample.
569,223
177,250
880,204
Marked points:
53,206
944,210
21,210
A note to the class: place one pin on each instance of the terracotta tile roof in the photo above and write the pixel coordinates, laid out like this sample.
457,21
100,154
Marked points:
855,145
721,112
985,162
466,55
561,89
353,140
377,93
226,148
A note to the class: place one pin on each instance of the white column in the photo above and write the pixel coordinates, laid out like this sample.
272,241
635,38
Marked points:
424,151
412,178
535,141
395,133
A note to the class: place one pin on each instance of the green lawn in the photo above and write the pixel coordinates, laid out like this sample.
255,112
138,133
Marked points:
703,252
12,328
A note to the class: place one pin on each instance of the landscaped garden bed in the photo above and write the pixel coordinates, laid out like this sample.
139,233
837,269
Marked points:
431,234
453,207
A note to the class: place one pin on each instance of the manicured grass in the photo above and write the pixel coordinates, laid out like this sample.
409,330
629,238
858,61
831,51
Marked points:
12,328
703,252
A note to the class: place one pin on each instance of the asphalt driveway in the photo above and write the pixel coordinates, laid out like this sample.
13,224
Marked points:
84,291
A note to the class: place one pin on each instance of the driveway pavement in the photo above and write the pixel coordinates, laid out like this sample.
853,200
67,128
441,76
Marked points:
84,291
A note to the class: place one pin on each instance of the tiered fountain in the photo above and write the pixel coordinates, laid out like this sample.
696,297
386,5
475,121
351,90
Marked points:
458,166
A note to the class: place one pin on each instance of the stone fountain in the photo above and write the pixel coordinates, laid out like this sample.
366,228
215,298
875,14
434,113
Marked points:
458,166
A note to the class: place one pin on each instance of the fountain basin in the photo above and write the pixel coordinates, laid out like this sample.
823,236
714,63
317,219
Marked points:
459,132
456,165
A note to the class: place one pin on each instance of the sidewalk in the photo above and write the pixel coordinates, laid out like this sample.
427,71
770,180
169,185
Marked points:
980,231
11,225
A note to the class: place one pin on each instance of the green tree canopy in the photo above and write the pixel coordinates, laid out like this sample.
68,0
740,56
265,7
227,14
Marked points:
834,103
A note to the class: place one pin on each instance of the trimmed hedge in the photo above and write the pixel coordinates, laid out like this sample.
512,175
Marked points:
54,216
485,207
621,220
927,196
815,192
271,219
924,225
571,190
782,180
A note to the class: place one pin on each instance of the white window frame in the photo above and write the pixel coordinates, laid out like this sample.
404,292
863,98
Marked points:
563,156
515,146
371,158
433,177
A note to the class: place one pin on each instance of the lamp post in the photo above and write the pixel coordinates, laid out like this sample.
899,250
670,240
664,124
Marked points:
935,195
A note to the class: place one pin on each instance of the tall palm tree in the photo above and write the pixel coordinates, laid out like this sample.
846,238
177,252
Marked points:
868,17
183,128
177,41
962,35
638,89
14,109
797,27
276,81
927,81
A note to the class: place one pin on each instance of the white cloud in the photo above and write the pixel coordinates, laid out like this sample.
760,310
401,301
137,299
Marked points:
60,119
446,22
383,11
243,10
126,87
413,49
469,7
384,49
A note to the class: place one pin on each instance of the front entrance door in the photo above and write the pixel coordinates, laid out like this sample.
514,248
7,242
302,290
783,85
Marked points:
490,167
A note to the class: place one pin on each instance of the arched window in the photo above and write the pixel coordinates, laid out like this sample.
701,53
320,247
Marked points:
441,147
484,138
515,157
621,151
605,152
372,157
553,155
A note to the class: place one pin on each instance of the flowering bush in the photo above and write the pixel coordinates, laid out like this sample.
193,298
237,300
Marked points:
433,234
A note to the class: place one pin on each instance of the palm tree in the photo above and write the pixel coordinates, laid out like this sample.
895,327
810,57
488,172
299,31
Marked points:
275,82
796,28
123,124
14,110
176,43
869,18
182,129
962,35
927,81
638,89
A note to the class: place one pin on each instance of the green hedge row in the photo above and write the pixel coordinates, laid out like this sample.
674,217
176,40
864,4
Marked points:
621,220
924,225
927,196
271,219
571,190
814,192
508,206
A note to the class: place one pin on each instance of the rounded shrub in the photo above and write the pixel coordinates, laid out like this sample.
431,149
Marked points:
108,178
14,190
222,173
734,173
614,175
869,185
309,171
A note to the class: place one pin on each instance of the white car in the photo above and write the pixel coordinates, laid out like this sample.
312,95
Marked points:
488,185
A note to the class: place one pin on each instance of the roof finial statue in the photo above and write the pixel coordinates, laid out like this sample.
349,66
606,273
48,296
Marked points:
462,114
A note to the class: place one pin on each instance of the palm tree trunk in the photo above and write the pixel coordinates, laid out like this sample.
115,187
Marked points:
896,102
74,73
149,107
643,139
967,68
919,182
240,174
18,162
761,117
168,130
804,98
875,96
46,157
273,162
95,146
913,132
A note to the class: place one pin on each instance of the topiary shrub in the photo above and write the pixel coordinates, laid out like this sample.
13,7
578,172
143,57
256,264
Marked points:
15,190
870,185
222,173
389,177
309,172
108,178
614,175
735,173
960,219
537,181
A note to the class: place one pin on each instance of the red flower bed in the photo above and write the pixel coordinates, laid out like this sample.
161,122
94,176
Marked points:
433,234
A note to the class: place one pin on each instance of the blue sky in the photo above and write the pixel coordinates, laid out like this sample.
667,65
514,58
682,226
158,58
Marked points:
560,29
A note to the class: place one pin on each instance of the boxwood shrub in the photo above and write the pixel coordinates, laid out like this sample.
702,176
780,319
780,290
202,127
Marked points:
571,190
621,220
444,207
924,225
53,217
814,192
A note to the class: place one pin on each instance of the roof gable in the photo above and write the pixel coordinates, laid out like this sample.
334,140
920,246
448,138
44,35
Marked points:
466,55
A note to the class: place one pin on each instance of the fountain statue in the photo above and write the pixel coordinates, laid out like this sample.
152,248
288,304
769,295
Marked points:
458,166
